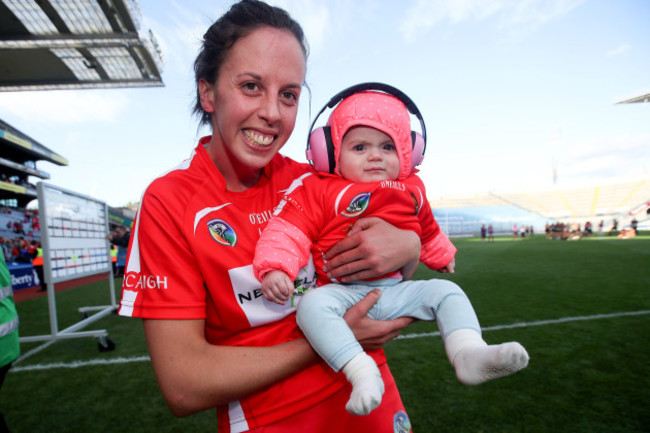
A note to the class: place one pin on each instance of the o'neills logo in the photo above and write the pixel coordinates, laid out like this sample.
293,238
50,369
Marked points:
222,232
393,184
357,205
138,281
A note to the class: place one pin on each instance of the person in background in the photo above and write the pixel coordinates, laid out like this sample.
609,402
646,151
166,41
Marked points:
37,263
213,341
6,248
120,236
114,259
9,343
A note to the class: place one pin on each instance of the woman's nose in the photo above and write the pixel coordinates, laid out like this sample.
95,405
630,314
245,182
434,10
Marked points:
270,110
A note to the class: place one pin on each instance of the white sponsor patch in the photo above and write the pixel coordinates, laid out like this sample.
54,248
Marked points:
248,294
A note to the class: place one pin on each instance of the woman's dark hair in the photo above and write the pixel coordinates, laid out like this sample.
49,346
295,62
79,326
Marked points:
242,19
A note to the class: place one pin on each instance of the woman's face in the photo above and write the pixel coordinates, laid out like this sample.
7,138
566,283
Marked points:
254,100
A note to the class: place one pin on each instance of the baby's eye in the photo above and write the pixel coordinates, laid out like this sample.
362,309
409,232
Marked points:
389,147
358,148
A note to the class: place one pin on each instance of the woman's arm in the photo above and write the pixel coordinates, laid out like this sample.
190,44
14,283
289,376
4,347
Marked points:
373,247
194,375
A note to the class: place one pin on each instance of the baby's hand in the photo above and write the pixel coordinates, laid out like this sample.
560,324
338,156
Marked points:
449,268
277,287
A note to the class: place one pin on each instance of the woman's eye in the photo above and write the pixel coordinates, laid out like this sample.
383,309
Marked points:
250,86
290,95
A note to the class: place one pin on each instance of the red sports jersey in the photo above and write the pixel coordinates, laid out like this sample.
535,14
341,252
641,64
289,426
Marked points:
323,208
191,257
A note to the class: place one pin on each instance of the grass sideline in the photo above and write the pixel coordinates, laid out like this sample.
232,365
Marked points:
581,308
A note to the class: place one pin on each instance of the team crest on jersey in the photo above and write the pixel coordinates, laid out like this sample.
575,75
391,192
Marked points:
222,232
357,206
401,422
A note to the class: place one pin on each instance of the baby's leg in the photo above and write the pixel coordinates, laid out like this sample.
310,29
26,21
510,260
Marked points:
446,303
320,316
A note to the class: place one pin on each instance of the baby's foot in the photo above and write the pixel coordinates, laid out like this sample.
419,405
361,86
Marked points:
366,395
367,384
478,364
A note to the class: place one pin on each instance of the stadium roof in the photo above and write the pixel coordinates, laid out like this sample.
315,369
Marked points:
20,147
644,97
70,44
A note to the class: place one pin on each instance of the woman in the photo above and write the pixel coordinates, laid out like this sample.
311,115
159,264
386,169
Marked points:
213,339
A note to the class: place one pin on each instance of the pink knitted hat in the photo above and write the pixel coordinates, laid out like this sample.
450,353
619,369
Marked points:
377,110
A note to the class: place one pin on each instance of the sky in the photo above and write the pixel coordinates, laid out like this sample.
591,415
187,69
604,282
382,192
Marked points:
516,94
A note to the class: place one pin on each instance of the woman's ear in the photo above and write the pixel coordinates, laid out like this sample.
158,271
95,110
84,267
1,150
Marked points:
206,90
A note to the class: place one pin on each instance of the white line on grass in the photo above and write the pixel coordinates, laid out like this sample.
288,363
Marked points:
77,364
538,323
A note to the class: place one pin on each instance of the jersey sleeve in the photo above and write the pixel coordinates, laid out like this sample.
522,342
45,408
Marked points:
282,246
302,204
162,280
285,243
437,250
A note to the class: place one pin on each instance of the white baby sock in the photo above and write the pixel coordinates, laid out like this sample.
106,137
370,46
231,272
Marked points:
476,362
367,384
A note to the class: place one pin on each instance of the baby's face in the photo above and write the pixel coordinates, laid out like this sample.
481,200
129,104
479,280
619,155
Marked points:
368,155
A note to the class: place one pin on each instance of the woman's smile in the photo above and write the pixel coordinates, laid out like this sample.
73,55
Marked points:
259,139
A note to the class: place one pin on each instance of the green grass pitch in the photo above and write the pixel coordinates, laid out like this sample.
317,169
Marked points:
581,309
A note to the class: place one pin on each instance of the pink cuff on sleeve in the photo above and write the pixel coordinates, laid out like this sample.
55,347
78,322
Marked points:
282,247
438,253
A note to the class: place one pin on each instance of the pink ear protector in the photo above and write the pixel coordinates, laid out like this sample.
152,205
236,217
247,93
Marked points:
320,149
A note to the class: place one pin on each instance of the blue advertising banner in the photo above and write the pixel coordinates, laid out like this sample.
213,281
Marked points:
23,276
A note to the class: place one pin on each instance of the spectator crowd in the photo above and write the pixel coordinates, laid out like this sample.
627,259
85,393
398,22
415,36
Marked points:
575,230
19,234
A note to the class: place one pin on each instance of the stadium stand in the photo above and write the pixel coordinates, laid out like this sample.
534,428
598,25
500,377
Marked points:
20,153
605,200
623,201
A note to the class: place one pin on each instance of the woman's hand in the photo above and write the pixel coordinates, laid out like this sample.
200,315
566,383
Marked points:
372,334
372,248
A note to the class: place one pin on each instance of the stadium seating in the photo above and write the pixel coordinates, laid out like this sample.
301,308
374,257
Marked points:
601,201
